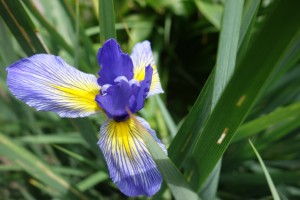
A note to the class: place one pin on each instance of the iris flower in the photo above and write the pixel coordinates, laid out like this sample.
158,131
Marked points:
47,83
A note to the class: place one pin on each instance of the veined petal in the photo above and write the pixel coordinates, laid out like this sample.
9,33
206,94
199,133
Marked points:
115,99
130,164
142,57
48,83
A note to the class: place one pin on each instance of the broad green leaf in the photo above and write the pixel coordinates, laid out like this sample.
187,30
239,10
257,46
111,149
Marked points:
181,145
228,46
242,90
268,177
189,130
226,59
237,98
249,17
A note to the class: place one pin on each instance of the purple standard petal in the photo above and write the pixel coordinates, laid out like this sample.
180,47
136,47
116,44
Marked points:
116,99
48,83
143,90
130,164
113,63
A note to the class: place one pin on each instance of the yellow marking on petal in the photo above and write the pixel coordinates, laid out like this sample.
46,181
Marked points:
155,79
83,98
125,134
139,72
139,75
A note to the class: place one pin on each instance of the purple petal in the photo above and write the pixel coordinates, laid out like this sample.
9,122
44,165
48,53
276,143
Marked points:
115,100
113,63
48,83
142,57
143,90
130,164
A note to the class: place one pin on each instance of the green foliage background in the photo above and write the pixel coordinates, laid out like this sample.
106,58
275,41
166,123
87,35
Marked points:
230,70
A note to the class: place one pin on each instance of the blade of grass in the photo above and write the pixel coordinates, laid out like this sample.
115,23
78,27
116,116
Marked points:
26,194
258,179
107,20
275,135
21,26
268,177
42,187
70,171
89,49
167,117
88,132
255,126
76,39
92,180
249,16
9,55
43,21
289,59
36,168
53,138
77,156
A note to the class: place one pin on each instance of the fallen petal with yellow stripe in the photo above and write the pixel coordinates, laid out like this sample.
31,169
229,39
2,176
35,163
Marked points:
129,162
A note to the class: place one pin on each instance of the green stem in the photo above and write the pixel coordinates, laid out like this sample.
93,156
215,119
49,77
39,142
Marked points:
107,20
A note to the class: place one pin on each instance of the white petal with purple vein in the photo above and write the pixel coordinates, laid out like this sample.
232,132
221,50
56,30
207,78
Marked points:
142,57
130,164
48,83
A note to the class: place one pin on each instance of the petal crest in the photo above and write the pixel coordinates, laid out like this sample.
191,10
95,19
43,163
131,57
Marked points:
130,164
142,57
115,99
48,83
